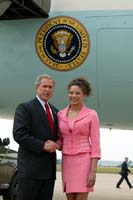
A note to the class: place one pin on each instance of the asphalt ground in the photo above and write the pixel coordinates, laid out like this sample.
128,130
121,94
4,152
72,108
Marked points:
105,188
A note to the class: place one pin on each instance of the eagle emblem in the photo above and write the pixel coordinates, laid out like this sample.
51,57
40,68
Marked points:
62,43
62,40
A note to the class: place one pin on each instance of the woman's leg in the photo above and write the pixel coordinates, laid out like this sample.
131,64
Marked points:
82,196
71,196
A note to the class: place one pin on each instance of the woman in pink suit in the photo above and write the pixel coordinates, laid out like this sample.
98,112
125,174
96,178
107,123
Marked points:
79,138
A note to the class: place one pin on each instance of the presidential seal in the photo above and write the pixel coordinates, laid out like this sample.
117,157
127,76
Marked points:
62,43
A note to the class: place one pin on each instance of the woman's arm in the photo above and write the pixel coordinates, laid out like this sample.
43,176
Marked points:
92,174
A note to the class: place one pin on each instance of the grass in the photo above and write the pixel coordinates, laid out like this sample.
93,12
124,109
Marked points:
111,170
58,166
106,170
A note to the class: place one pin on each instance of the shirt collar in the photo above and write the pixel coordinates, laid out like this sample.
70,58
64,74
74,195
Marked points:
41,101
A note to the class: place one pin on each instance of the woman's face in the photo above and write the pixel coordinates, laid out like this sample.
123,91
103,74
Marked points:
75,95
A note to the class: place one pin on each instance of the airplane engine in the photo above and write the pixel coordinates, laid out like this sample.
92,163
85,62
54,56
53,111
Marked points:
4,5
21,9
44,4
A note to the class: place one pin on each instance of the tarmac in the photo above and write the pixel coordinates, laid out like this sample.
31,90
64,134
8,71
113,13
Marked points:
105,188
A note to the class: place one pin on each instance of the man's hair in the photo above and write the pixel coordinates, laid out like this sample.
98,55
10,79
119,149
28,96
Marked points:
43,76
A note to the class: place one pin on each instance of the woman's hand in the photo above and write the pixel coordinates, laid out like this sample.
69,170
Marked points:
91,179
58,146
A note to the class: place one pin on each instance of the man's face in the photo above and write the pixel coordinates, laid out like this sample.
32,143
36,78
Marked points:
45,89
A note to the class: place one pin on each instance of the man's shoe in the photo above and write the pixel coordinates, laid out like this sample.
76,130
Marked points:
118,187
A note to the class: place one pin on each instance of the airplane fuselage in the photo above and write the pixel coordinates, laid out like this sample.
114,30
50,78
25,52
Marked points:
108,64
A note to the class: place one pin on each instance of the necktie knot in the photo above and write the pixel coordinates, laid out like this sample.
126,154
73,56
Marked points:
46,106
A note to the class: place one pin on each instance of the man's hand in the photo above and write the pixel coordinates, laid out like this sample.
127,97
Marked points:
50,146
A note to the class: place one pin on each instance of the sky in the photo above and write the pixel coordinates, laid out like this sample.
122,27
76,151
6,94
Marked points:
115,144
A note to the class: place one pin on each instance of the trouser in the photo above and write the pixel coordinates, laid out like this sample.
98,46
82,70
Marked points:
30,189
126,179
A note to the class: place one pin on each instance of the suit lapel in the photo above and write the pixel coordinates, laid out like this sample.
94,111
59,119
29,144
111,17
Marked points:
54,113
84,112
40,111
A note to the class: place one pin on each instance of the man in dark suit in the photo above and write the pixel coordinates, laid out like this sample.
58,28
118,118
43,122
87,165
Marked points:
36,139
124,174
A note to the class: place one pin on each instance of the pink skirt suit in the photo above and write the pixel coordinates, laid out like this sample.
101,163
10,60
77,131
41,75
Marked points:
80,140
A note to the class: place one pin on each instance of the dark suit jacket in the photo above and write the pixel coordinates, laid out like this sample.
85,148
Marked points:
30,130
124,169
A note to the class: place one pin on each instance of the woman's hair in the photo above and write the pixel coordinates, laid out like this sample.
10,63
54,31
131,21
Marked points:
83,84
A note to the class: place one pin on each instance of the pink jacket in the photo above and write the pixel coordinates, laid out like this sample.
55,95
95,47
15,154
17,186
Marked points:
80,135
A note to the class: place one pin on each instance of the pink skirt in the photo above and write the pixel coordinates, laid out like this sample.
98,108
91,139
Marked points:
75,172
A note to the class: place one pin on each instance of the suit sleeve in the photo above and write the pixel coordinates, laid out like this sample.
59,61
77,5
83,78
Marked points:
22,130
95,136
